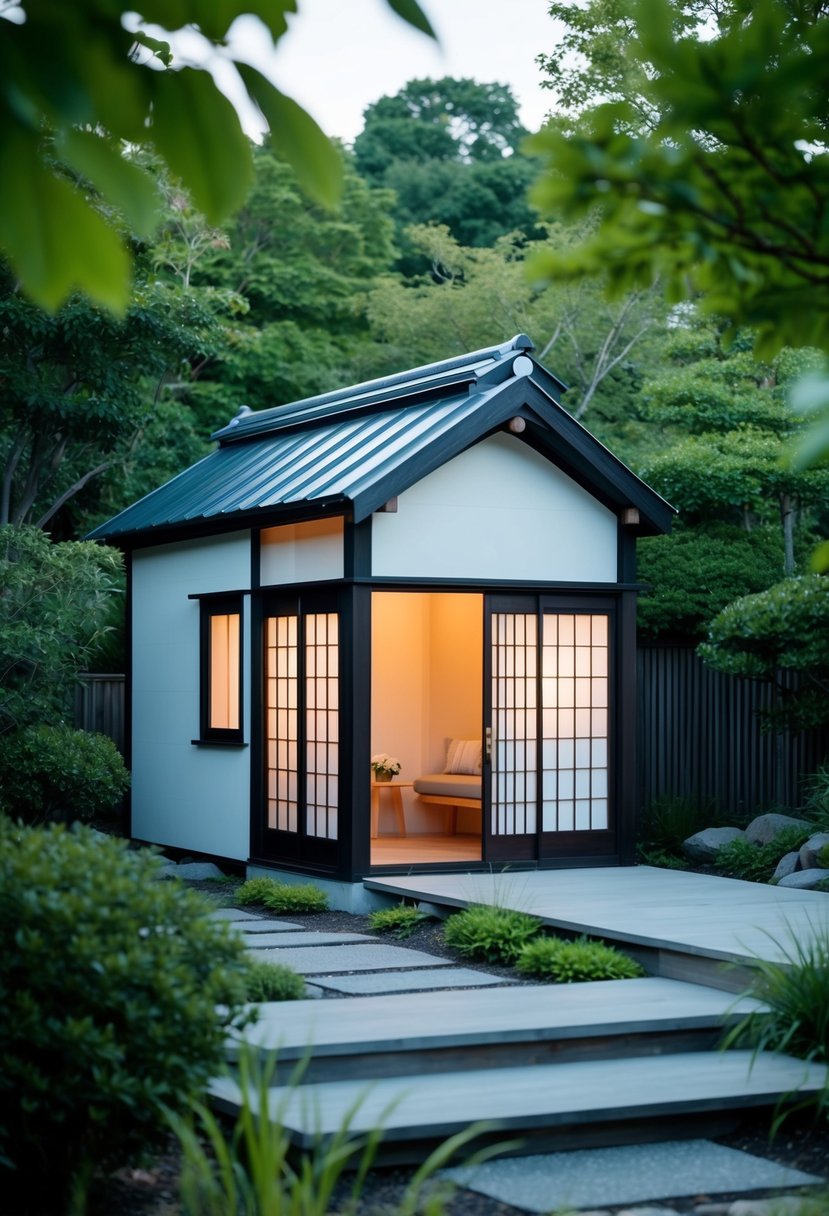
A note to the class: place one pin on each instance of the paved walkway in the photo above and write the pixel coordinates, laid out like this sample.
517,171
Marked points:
700,914
424,1020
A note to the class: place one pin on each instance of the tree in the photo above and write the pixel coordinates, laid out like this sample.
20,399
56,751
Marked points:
723,192
781,630
449,149
79,386
472,297
54,605
77,83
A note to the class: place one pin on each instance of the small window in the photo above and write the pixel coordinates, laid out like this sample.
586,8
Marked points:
221,670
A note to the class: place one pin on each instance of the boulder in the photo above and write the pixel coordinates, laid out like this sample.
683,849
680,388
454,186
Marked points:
810,850
787,865
703,846
804,880
764,828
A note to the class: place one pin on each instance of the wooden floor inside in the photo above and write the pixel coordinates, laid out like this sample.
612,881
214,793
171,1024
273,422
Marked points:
424,850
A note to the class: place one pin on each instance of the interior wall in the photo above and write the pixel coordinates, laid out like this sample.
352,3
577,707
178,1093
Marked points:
427,675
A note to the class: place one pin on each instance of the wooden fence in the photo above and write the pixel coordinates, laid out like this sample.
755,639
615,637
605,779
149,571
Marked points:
699,733
700,736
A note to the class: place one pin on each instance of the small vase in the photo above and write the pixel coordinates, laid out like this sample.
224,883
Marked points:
383,776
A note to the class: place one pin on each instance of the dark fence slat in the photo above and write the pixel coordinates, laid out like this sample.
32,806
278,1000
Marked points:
700,736
99,706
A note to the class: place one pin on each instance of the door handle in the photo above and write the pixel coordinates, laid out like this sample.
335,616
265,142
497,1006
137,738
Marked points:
488,745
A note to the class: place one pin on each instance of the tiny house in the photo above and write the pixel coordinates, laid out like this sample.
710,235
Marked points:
437,566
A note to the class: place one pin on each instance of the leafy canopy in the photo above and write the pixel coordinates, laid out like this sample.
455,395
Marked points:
77,84
722,190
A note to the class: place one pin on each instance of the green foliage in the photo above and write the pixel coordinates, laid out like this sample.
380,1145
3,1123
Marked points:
448,149
400,921
782,628
796,991
116,995
708,167
816,805
575,962
492,933
273,982
80,387
281,896
668,821
823,858
78,85
694,573
252,1168
54,606
55,772
661,858
757,862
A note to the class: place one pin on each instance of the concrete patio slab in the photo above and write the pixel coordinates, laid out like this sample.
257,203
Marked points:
264,941
233,914
628,1174
267,926
329,960
401,981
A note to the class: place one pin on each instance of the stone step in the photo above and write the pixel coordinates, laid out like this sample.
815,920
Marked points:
549,1106
494,1028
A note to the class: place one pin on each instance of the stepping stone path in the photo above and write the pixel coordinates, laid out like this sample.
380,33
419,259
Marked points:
439,1058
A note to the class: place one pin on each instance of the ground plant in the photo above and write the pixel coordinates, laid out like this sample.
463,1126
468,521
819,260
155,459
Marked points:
55,772
816,806
273,982
400,921
579,961
250,1170
795,994
281,896
490,932
756,862
117,992
668,821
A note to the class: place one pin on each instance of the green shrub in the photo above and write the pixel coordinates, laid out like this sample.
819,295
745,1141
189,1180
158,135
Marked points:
273,982
54,772
662,859
757,862
816,806
116,995
401,921
565,962
667,822
490,932
282,896
823,857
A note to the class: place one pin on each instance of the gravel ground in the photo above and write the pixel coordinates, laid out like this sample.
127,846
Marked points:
152,1188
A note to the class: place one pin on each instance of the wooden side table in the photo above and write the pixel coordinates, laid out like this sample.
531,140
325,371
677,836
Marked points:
394,788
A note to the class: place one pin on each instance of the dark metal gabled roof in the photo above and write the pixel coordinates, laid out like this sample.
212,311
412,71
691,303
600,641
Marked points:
356,448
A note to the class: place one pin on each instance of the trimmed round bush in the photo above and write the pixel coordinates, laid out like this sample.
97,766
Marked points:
579,961
55,772
273,982
490,932
116,995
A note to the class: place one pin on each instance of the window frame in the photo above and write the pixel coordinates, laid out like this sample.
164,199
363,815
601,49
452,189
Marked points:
211,606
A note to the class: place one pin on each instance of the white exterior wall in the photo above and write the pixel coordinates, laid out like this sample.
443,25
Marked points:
497,511
302,553
182,795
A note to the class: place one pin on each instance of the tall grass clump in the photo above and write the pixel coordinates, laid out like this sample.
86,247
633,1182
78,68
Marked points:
490,932
282,896
816,806
667,822
401,921
250,1169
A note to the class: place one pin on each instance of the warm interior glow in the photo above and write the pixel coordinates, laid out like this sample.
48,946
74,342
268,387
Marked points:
224,671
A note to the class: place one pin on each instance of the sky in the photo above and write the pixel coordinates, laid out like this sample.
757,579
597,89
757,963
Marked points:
340,55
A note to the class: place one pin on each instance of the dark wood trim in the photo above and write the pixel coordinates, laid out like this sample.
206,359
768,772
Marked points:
257,725
357,554
210,606
625,750
220,525
217,595
255,558
626,559
505,587
355,857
